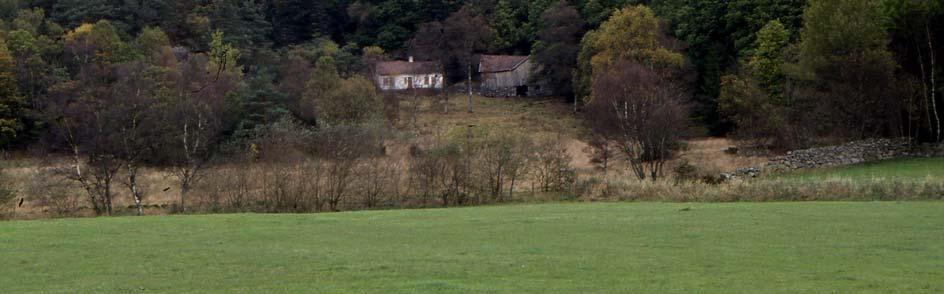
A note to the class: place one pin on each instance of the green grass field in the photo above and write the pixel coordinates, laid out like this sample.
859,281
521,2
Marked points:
552,248
913,168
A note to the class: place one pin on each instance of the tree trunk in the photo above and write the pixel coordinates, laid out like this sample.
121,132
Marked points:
926,91
469,85
107,196
575,103
511,189
184,189
79,177
133,185
606,169
442,91
937,117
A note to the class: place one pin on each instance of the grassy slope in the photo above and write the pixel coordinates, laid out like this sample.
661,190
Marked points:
915,168
545,116
601,247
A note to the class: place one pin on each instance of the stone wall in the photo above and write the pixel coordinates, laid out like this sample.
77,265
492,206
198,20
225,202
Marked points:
534,90
498,92
852,153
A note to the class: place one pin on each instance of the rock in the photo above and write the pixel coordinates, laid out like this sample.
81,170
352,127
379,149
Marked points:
853,153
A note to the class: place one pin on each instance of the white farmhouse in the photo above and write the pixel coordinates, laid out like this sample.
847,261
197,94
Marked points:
405,75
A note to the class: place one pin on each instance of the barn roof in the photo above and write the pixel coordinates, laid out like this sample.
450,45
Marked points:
387,68
500,63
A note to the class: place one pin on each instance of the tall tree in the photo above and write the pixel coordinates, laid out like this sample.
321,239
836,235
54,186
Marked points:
915,28
845,52
135,110
12,103
261,104
466,33
73,13
244,25
719,33
632,33
512,33
767,61
597,11
636,95
297,21
557,47
643,111
429,44
96,44
199,120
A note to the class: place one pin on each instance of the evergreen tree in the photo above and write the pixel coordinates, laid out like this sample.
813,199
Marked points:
511,31
261,104
557,47
73,13
243,22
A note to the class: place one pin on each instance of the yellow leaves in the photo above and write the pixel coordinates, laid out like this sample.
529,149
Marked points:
6,59
80,32
373,51
632,33
223,58
155,46
97,42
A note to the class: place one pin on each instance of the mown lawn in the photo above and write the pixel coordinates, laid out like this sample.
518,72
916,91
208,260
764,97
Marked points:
913,168
552,248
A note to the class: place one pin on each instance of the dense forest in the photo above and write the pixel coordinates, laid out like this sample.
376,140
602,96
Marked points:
120,84
724,43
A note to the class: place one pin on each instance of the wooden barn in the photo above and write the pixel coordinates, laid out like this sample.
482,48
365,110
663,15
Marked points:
405,75
507,76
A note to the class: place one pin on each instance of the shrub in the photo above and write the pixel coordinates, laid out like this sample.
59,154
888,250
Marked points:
55,194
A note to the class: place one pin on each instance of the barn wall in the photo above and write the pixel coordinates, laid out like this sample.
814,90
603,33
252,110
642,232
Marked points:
400,81
504,84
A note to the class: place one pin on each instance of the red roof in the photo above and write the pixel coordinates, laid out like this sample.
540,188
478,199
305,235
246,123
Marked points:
500,63
387,68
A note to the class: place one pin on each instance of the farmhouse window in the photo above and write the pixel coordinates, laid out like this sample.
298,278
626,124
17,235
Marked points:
387,82
426,81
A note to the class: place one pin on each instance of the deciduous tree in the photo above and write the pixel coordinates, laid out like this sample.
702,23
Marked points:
848,67
644,111
466,34
631,34
12,103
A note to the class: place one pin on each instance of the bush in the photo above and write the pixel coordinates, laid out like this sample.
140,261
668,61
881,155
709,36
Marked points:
7,193
685,171
54,194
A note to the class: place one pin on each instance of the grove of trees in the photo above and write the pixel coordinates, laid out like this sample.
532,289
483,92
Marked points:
120,86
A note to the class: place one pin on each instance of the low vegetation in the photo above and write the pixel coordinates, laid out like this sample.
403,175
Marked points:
235,106
600,247
182,108
899,169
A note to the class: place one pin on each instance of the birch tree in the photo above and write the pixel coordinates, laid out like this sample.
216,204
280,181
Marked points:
646,112
466,33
